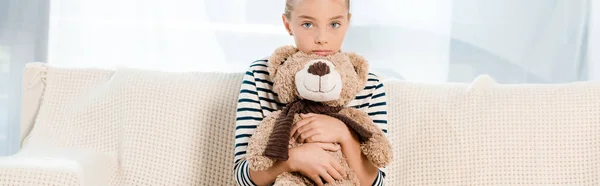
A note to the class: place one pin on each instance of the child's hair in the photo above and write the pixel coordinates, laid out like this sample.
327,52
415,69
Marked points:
289,7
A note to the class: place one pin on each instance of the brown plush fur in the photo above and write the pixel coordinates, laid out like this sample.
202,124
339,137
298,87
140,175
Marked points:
258,144
287,60
353,69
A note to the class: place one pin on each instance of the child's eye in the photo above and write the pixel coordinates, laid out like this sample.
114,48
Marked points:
307,25
335,25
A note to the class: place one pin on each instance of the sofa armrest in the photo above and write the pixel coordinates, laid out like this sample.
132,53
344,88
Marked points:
57,167
33,87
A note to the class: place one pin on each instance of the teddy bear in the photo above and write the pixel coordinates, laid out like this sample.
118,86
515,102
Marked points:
309,83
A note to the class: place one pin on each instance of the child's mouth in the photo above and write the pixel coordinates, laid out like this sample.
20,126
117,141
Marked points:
322,52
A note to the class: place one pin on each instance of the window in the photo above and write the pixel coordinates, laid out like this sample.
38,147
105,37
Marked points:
428,41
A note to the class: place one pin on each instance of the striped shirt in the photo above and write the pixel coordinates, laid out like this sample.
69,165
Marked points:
257,100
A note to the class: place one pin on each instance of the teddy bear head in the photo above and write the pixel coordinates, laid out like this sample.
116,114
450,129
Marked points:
334,80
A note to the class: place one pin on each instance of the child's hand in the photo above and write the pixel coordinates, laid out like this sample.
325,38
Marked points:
313,161
320,128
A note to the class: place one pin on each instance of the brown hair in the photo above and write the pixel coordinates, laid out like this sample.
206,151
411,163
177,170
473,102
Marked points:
289,7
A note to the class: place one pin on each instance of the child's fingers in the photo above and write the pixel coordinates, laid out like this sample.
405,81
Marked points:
325,175
334,173
302,136
300,124
308,115
339,168
329,146
301,130
317,179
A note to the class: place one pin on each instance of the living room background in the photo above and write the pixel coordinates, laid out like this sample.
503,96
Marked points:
515,41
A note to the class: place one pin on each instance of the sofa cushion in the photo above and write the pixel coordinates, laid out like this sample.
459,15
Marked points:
165,128
53,166
484,133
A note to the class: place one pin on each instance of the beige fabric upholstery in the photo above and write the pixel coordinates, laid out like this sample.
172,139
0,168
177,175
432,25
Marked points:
32,89
490,134
57,167
162,128
159,128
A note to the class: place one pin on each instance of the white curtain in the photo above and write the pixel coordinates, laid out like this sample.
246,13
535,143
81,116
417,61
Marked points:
538,41
515,41
23,38
209,35
594,41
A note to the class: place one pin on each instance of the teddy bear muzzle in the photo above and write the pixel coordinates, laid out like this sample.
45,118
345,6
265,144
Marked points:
319,81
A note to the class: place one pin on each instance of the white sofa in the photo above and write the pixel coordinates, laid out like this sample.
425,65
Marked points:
136,127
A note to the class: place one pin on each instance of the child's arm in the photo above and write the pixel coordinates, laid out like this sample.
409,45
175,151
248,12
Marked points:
378,112
365,170
249,115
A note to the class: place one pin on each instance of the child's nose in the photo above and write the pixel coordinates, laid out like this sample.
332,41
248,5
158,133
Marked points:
320,41
321,38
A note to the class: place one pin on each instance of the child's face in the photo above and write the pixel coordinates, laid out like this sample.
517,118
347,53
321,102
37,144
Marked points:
318,26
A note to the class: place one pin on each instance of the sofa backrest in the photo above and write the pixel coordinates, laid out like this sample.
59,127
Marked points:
164,127
178,128
484,133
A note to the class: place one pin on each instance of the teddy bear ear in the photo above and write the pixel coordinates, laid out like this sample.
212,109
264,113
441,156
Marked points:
279,56
360,64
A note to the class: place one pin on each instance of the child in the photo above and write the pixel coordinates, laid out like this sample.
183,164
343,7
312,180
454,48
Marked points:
319,27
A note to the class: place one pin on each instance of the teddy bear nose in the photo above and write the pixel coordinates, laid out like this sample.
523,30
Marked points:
319,69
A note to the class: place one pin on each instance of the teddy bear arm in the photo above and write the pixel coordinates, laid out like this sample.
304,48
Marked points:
258,143
377,148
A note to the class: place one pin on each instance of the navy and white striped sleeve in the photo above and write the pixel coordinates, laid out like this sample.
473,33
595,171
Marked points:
379,180
249,115
377,110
